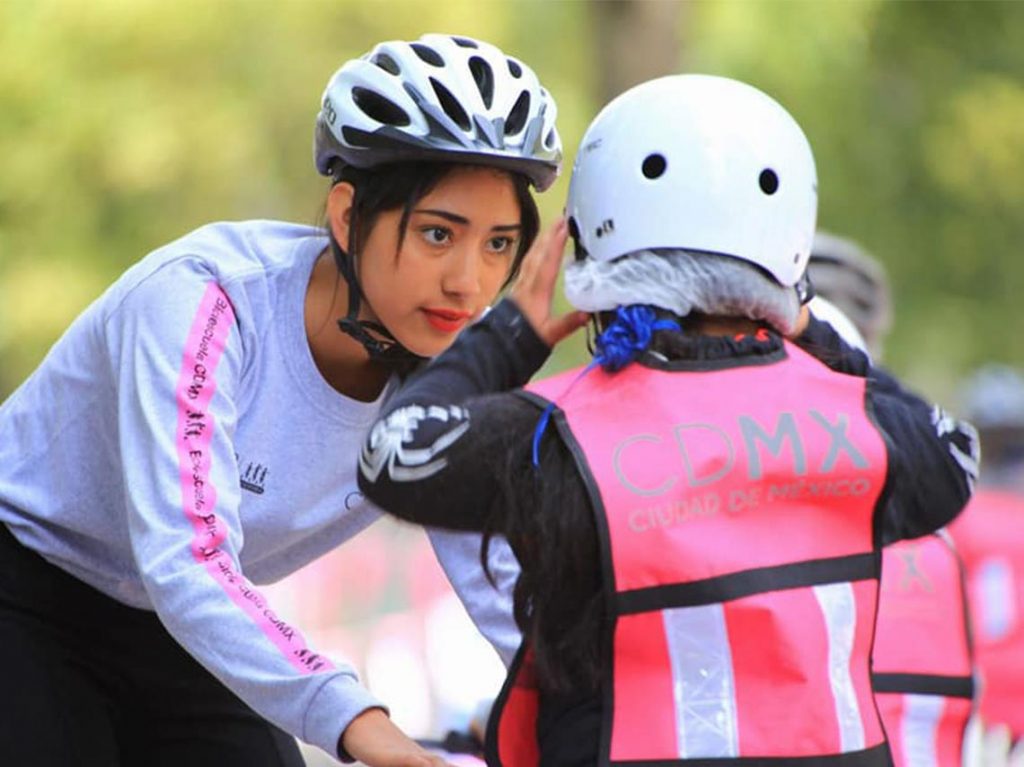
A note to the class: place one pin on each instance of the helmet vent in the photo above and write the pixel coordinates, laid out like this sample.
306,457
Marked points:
517,115
514,69
550,139
465,42
362,138
484,76
653,166
427,54
387,63
450,105
768,181
379,108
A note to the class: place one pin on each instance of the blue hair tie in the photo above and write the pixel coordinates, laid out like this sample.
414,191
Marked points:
625,339
628,336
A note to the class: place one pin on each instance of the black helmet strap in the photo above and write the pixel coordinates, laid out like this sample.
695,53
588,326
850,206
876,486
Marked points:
383,347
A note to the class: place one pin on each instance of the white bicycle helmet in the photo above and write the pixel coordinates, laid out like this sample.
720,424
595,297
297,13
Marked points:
699,163
439,98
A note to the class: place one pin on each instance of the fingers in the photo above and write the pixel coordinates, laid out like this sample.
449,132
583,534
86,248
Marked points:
428,760
559,328
539,271
803,319
551,256
534,289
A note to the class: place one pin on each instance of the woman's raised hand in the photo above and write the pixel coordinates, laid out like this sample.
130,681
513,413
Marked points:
534,288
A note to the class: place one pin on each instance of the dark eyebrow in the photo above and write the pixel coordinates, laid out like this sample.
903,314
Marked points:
455,218
446,215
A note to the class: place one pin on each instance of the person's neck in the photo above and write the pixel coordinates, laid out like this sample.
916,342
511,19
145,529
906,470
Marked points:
707,325
341,360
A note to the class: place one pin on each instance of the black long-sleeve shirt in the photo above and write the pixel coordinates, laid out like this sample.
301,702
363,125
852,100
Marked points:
427,457
452,449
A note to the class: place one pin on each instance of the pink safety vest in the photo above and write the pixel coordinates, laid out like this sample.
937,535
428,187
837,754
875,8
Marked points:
735,509
922,668
989,535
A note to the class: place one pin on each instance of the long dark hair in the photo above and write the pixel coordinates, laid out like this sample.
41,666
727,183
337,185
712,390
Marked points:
548,521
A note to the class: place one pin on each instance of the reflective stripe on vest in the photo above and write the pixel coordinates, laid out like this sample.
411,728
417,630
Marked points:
925,730
736,508
989,536
922,655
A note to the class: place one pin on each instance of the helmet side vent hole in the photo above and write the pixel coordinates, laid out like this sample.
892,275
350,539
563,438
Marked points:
427,54
550,139
465,42
387,63
484,77
450,105
768,181
379,108
517,115
654,166
357,137
514,68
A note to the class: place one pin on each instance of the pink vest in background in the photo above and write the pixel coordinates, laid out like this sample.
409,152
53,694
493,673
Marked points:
922,668
989,536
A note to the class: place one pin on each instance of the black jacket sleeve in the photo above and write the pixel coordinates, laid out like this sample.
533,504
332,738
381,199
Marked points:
433,455
933,458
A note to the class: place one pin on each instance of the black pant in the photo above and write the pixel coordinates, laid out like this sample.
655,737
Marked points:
86,681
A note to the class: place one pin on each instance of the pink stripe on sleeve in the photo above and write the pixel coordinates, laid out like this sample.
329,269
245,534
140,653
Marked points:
194,436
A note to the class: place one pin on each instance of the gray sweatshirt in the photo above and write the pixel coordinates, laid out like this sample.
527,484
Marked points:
178,447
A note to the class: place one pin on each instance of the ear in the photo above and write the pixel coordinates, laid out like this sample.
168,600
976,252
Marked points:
339,212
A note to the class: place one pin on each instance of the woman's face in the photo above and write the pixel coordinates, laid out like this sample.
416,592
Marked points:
459,245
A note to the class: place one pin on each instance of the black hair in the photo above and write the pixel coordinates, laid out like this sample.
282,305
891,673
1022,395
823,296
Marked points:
401,185
559,603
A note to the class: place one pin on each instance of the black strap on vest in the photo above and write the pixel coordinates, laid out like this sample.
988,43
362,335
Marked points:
815,572
924,684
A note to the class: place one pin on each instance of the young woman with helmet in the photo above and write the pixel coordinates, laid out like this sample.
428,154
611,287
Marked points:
194,432
698,512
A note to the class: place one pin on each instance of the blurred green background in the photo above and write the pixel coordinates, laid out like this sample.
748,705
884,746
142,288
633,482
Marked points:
125,124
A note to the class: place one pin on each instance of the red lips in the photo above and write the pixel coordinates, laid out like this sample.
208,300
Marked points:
447,320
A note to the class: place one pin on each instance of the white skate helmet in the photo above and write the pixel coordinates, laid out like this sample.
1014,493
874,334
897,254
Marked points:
699,163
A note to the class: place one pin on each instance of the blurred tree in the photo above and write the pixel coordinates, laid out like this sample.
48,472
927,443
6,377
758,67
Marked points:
910,108
123,126
634,41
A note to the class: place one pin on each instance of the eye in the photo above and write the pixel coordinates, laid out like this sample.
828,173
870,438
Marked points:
500,244
436,235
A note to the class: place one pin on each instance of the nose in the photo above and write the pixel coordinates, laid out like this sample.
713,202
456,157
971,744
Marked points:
462,273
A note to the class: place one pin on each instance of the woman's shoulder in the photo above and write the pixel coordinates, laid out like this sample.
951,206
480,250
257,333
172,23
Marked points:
230,250
240,257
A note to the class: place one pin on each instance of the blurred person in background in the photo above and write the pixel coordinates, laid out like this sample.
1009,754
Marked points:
854,282
194,432
922,660
699,512
990,537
